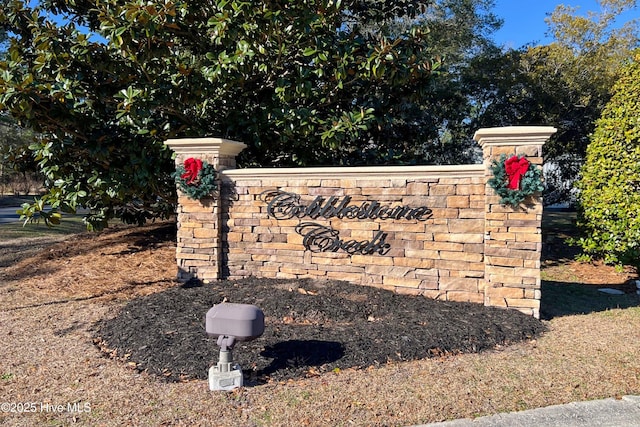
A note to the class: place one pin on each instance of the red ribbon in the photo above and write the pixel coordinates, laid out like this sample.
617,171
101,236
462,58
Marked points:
515,168
192,168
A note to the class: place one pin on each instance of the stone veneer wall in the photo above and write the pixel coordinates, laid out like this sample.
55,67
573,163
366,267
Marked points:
439,258
467,248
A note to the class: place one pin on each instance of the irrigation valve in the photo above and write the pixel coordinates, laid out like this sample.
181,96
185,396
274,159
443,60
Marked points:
231,323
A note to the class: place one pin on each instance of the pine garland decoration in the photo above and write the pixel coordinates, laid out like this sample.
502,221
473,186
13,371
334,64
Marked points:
196,178
529,183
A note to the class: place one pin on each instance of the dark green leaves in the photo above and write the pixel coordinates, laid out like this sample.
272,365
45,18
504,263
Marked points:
301,82
609,198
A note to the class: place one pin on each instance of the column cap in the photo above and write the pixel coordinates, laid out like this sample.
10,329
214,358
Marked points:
514,135
216,146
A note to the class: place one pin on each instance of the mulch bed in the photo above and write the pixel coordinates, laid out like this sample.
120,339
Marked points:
310,328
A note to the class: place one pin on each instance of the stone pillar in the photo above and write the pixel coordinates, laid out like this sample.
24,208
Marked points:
199,244
513,236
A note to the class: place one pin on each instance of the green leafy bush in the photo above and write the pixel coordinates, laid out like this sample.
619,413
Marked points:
609,197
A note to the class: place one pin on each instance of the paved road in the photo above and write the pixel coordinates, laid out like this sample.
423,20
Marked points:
623,412
8,214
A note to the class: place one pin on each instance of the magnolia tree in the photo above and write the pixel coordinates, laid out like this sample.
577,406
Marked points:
105,83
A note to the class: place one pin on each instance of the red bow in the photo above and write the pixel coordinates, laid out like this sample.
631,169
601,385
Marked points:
515,168
192,168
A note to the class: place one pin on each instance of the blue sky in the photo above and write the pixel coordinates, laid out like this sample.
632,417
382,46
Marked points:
524,19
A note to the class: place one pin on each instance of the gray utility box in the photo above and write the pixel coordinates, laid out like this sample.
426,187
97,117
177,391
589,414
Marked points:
231,323
243,322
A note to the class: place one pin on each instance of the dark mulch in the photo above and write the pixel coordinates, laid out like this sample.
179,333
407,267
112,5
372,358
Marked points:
311,327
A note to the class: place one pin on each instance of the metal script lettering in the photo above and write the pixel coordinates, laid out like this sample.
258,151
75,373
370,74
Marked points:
321,238
284,205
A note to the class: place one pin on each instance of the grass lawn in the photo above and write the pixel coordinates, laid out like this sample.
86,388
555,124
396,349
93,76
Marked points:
71,224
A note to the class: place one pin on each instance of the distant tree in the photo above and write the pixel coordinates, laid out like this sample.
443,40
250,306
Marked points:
18,169
586,58
565,84
432,128
609,185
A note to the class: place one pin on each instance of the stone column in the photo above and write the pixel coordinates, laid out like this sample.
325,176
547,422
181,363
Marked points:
513,236
200,221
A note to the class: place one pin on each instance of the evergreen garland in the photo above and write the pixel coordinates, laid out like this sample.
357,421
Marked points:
530,182
196,187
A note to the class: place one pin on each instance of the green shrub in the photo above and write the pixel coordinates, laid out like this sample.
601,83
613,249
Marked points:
609,185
